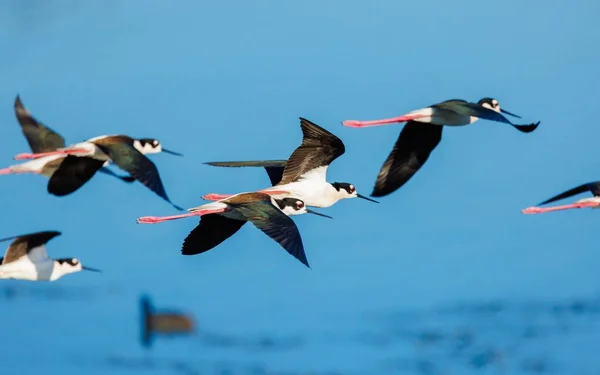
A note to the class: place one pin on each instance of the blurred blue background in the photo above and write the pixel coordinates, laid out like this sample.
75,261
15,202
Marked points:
228,81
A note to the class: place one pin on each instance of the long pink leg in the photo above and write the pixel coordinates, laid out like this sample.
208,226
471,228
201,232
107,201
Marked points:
218,197
363,124
7,171
42,154
273,191
541,210
215,196
160,219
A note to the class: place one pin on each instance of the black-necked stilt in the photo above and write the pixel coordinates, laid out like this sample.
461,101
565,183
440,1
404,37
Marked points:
303,175
423,132
221,219
85,158
593,202
26,259
163,322
42,138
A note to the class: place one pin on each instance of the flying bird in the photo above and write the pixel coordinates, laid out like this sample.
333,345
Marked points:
42,138
26,259
220,220
303,175
592,202
84,159
423,132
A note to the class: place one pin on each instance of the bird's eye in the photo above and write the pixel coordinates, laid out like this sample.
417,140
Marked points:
155,142
75,261
299,204
352,189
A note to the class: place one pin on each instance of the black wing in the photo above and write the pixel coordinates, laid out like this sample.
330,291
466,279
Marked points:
72,174
111,173
275,174
126,157
22,244
412,149
274,168
593,187
40,137
274,224
210,232
319,148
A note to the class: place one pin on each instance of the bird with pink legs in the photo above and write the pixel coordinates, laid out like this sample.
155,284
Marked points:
423,132
222,219
592,202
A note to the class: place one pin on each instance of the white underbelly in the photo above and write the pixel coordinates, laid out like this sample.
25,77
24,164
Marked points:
312,193
25,270
442,117
591,200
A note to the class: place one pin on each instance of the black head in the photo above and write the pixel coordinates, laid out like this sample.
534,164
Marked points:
494,105
347,190
488,103
151,146
73,265
291,206
70,261
295,206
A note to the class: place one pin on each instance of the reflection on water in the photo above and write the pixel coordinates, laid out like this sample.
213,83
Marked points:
499,337
502,337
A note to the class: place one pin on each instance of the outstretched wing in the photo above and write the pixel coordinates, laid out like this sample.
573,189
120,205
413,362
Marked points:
275,224
411,150
126,157
33,245
593,187
212,230
40,137
318,149
72,174
274,168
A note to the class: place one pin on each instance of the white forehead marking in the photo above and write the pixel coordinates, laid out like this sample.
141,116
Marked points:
146,148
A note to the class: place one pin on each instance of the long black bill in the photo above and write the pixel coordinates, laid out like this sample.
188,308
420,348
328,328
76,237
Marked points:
508,113
318,214
90,269
367,198
172,152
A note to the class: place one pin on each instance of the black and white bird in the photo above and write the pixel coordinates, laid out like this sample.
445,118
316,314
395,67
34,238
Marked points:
42,138
221,219
591,202
84,159
303,175
423,132
26,259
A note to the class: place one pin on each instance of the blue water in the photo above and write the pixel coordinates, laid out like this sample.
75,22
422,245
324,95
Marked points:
228,81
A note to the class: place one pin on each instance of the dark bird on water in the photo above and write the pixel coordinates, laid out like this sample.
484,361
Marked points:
167,323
